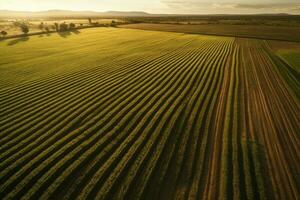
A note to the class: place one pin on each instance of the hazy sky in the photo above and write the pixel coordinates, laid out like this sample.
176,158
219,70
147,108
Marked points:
159,6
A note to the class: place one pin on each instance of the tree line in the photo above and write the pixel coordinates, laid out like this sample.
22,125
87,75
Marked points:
58,27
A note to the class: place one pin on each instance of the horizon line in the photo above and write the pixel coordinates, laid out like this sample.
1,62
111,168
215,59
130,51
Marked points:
149,13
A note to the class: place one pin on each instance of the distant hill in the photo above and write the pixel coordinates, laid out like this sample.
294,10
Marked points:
9,14
67,13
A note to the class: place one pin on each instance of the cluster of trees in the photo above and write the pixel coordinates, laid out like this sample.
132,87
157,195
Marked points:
113,23
21,24
57,27
24,26
65,27
43,27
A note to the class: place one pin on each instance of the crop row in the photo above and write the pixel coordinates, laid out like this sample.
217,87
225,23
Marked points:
202,118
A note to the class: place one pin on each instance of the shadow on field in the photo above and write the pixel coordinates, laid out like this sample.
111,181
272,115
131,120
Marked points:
75,31
66,34
16,41
44,34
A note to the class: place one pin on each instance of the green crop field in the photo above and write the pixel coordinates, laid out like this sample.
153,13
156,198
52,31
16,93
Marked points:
112,113
288,32
288,51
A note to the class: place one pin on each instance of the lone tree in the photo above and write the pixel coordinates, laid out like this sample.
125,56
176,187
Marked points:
72,26
113,23
56,26
90,20
22,25
3,33
47,29
41,26
24,28
63,27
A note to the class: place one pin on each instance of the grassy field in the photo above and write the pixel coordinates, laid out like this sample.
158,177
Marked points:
11,29
288,33
111,113
289,51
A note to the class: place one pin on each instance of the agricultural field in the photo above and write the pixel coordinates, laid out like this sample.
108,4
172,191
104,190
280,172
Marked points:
112,113
287,33
278,19
33,24
289,51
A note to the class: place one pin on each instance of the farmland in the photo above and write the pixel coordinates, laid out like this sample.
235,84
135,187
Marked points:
112,113
289,51
12,30
260,31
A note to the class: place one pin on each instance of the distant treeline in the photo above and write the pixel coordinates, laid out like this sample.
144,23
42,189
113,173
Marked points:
288,20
